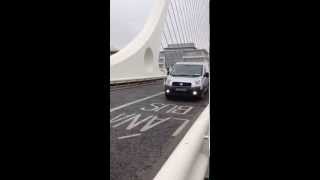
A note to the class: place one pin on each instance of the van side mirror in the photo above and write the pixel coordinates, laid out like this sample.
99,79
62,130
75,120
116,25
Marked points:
168,72
206,75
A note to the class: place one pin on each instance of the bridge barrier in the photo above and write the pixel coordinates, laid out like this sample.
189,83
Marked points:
136,79
190,159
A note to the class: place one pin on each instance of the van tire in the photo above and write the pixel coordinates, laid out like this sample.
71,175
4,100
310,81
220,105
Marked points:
168,97
207,91
201,96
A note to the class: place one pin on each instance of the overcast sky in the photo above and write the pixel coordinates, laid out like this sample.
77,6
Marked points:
127,18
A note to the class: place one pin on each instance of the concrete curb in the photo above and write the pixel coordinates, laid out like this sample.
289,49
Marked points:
189,160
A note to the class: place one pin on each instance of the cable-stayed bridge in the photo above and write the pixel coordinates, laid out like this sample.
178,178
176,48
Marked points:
152,137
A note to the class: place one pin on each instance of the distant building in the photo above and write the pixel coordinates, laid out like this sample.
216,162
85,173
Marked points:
181,53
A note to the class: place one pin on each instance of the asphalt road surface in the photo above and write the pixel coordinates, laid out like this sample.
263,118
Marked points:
145,128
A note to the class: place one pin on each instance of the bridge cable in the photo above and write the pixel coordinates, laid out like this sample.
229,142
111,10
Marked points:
164,40
186,23
198,31
166,30
174,16
179,20
193,5
165,37
173,29
176,22
201,21
200,28
170,30
182,21
179,29
161,44
176,29
197,23
190,9
206,24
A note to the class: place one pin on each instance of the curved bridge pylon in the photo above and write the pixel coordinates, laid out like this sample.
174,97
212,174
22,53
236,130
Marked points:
140,58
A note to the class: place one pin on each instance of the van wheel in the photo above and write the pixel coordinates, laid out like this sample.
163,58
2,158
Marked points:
168,97
207,91
201,96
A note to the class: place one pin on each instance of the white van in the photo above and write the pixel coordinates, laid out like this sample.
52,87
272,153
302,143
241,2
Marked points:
187,78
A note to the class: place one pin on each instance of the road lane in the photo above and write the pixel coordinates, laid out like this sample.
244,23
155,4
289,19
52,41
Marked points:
143,134
135,101
131,93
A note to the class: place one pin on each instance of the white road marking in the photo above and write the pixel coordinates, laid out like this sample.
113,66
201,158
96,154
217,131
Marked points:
134,102
119,118
181,126
184,109
170,110
150,123
129,136
154,105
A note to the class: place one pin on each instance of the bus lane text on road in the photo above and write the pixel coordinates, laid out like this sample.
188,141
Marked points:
151,121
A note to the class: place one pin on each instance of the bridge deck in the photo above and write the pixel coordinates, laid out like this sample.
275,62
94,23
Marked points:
145,128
